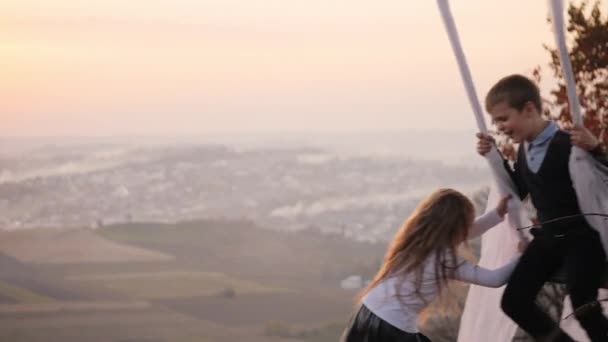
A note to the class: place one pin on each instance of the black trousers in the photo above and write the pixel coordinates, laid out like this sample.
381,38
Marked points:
579,253
365,326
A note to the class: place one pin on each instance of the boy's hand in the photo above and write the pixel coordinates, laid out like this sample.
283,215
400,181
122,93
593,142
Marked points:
503,206
484,144
580,136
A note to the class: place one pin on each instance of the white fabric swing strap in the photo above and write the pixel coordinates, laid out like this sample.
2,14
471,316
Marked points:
495,161
557,18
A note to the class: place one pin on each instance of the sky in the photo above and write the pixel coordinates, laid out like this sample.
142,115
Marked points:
173,67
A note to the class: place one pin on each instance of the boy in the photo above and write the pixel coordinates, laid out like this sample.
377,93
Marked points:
541,171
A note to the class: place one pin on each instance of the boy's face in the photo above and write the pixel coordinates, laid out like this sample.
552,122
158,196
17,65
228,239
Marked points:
510,121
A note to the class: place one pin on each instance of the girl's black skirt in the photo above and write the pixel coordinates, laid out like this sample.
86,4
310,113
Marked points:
365,326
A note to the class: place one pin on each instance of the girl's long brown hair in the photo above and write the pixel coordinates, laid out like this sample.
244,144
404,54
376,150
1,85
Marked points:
436,227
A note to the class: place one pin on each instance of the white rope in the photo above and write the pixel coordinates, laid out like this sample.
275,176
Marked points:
557,13
465,73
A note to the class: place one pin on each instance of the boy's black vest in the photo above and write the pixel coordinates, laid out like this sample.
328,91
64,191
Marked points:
551,188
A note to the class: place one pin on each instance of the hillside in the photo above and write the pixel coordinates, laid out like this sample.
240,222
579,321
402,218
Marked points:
218,280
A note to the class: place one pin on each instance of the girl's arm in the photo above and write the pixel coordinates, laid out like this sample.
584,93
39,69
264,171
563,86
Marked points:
490,219
484,222
474,274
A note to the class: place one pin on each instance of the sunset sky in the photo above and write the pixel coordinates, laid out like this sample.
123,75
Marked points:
115,67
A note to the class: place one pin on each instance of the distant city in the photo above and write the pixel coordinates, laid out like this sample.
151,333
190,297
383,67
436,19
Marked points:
288,185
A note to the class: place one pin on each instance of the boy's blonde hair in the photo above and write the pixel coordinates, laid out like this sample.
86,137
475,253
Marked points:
515,91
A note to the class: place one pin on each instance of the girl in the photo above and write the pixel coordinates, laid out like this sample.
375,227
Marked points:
418,264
